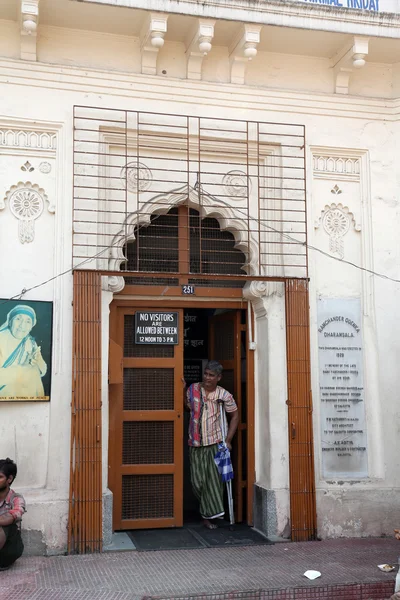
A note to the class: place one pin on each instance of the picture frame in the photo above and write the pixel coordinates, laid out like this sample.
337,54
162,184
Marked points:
26,335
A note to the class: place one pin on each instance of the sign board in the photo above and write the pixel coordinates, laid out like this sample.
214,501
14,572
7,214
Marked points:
382,6
156,328
371,5
188,290
341,381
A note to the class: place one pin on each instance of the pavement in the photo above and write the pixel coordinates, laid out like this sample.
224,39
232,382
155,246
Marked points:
348,567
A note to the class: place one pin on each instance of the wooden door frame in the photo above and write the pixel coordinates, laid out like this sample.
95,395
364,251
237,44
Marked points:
116,425
185,303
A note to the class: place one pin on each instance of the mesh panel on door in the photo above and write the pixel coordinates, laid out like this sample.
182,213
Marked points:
140,350
148,443
228,380
224,345
147,496
148,389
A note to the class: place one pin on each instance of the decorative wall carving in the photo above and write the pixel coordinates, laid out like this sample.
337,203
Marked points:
235,183
45,167
18,138
129,173
336,190
26,202
161,204
256,291
336,221
338,165
27,167
114,284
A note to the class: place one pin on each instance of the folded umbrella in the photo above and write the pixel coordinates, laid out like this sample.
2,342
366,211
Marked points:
224,464
223,461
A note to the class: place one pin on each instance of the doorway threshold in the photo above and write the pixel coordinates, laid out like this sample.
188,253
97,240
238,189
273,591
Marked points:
195,535
120,542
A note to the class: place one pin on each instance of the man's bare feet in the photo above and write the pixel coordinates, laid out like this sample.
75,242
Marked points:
207,523
397,534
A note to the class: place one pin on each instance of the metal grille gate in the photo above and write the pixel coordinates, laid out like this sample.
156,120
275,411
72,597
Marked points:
131,167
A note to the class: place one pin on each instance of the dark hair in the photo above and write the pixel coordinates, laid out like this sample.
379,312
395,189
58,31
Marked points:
214,366
8,468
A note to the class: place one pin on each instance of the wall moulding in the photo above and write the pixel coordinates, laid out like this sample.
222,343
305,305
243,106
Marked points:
356,160
128,85
12,138
359,196
327,166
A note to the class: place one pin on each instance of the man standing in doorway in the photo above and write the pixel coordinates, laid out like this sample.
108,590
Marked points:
205,432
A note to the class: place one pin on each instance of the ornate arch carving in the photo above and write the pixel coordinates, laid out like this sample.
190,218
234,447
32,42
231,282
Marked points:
194,198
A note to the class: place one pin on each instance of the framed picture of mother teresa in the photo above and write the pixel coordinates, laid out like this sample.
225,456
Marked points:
25,350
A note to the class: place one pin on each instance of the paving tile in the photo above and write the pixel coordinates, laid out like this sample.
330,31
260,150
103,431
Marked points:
349,572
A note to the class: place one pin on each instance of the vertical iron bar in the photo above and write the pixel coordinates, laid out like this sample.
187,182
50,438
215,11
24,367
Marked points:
200,199
305,193
248,186
259,201
188,186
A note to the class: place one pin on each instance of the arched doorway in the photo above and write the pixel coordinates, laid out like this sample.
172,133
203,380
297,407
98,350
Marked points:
180,241
149,473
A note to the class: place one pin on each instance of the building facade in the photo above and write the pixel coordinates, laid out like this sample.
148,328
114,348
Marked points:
187,180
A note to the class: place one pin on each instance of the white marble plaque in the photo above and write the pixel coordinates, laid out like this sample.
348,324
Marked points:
341,380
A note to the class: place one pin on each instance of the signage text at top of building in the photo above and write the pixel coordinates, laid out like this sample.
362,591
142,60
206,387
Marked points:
372,5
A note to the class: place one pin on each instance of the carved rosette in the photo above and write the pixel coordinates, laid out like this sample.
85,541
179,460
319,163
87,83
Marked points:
235,184
135,182
45,167
26,202
336,221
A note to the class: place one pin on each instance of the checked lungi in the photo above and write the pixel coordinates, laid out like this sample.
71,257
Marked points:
206,481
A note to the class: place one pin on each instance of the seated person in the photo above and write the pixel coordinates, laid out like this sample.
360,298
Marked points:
12,507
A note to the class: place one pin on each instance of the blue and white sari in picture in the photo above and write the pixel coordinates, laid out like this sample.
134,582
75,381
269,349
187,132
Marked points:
21,363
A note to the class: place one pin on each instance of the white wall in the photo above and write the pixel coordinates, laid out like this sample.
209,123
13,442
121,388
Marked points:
42,96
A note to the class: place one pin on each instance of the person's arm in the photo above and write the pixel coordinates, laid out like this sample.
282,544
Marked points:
233,418
6,519
15,513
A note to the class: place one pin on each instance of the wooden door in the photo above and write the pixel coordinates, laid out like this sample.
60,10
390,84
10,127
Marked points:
225,335
146,427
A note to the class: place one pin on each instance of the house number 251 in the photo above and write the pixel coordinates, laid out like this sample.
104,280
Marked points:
188,290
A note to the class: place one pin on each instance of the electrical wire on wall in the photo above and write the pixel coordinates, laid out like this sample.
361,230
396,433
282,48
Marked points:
268,227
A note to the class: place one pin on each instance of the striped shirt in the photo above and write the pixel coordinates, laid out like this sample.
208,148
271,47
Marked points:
14,505
205,422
